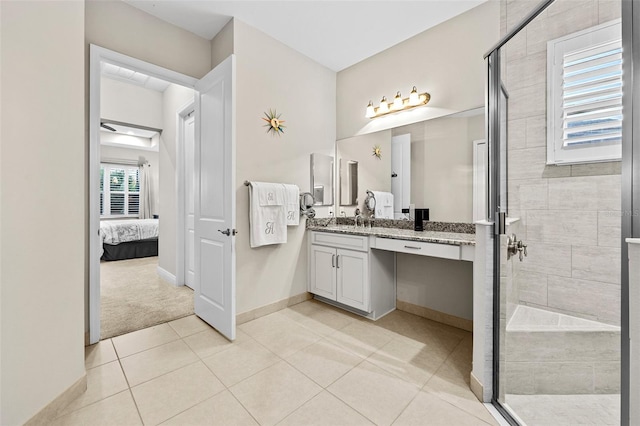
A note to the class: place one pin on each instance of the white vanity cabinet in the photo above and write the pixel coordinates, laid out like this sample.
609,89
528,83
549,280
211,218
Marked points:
345,272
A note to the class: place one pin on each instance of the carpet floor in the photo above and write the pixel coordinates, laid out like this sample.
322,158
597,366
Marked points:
133,297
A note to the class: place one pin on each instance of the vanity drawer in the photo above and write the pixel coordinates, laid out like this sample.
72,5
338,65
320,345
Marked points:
446,251
351,242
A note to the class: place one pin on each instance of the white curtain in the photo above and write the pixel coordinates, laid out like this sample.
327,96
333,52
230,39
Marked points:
145,192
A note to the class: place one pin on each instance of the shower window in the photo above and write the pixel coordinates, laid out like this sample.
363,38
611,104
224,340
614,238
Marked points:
584,83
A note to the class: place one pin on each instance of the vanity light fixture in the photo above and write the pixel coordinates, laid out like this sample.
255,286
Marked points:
397,102
371,111
384,106
414,100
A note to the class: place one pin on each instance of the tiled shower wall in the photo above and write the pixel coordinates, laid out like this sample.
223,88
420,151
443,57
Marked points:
570,215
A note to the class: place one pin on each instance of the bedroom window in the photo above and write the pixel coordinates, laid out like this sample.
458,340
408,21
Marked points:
119,190
584,96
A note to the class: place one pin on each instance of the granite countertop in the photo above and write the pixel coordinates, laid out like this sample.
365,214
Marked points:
427,236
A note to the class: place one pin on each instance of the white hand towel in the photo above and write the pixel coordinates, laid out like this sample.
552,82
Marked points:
384,204
292,197
267,214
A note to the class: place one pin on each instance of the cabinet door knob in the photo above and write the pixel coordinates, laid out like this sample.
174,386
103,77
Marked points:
333,260
338,262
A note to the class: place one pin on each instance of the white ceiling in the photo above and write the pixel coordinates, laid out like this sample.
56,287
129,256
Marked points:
133,77
336,34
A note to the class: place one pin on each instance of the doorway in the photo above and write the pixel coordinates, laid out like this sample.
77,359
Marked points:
139,287
214,99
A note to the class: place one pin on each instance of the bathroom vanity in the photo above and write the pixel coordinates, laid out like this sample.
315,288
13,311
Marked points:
355,267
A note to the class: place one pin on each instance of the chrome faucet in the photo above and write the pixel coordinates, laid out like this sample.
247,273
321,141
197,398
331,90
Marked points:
357,215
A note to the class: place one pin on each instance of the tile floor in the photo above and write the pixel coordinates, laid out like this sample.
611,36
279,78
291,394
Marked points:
310,364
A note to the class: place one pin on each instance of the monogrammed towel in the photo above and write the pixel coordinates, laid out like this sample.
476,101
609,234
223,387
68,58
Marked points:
267,214
292,197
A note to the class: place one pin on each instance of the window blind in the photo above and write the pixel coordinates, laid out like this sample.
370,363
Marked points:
592,95
119,190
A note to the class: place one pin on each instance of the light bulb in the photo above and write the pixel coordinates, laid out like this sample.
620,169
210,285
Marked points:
397,102
371,112
414,98
384,106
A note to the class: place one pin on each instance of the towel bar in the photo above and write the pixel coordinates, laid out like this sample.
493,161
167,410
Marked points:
306,208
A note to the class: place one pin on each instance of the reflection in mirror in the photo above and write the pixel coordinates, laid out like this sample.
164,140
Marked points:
428,164
348,182
322,179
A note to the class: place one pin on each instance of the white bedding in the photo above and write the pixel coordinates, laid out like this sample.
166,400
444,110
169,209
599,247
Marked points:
122,231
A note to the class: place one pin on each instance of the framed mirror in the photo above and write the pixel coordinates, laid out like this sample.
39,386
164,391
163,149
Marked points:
322,179
348,182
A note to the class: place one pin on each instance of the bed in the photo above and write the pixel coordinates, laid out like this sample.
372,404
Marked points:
128,239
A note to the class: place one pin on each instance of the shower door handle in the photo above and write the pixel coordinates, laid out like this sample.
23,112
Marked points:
514,246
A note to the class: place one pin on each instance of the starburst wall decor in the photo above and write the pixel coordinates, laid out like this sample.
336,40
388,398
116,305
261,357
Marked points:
377,152
274,123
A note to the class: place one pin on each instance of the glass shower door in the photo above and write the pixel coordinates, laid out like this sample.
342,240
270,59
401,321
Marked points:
557,272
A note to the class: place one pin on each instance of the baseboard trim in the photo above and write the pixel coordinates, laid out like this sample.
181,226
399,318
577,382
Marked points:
433,315
52,410
271,308
167,276
476,387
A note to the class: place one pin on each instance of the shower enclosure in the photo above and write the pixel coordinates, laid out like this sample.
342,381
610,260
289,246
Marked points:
560,185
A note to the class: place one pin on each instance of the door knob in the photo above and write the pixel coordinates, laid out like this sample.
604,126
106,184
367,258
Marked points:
226,232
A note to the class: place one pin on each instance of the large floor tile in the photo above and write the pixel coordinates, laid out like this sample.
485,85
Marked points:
102,381
325,409
317,318
220,410
287,339
98,354
208,342
373,392
117,410
412,361
451,384
324,362
428,409
265,324
240,361
141,340
188,325
274,393
155,362
362,338
165,396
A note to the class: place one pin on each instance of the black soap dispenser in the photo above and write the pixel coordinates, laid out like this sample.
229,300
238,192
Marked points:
421,215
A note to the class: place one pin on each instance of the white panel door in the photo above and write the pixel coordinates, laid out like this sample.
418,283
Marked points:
322,273
353,279
190,204
214,214
401,173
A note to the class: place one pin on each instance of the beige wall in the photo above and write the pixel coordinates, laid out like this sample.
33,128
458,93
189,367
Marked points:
117,26
175,97
373,174
271,75
570,214
130,103
43,232
446,61
222,44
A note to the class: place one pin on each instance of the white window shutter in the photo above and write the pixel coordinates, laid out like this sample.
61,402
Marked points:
584,96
